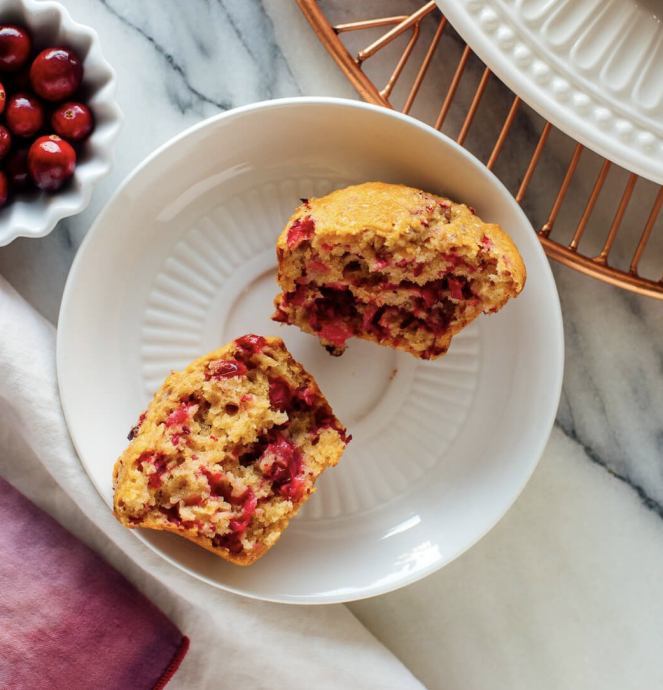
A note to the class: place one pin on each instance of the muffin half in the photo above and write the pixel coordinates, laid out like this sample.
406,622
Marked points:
229,450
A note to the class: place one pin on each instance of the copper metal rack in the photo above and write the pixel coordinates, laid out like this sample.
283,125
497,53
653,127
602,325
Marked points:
603,220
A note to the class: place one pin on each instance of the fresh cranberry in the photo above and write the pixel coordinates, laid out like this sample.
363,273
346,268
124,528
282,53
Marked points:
301,229
51,162
5,141
72,121
25,115
226,369
4,188
16,168
15,47
56,74
3,99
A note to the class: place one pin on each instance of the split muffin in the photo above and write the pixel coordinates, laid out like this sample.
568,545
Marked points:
229,450
394,265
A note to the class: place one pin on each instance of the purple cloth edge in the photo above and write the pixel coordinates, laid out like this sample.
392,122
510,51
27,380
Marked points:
67,618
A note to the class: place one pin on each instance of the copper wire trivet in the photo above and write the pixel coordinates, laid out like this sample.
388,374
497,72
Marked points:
614,250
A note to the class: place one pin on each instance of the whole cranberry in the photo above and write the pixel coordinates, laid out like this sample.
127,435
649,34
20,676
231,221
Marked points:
16,168
15,47
51,162
56,74
72,121
3,98
25,115
5,141
4,188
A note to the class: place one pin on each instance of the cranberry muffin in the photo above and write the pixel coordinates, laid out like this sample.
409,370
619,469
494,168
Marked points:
394,265
229,450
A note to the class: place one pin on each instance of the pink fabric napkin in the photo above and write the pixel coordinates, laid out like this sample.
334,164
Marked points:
68,620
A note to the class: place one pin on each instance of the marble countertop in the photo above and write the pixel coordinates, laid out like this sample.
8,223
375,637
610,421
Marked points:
566,592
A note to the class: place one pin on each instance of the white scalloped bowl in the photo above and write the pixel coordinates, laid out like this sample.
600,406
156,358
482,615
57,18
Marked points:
182,259
36,214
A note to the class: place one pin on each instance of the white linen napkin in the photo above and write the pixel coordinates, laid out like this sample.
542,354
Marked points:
233,640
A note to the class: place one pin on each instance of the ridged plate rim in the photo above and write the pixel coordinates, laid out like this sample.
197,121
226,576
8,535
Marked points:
550,80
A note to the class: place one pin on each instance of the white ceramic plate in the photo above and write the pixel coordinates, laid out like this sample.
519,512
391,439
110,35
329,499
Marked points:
182,260
591,67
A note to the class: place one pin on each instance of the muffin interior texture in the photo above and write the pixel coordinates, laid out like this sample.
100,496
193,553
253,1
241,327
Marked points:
229,450
394,265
